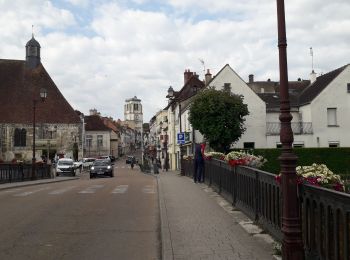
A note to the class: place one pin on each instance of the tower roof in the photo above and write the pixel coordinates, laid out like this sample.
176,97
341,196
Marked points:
33,42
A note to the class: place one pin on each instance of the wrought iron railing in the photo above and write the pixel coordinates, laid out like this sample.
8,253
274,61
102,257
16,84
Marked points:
23,172
298,128
325,213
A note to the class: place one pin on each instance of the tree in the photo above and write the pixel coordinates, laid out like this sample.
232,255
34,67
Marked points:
219,116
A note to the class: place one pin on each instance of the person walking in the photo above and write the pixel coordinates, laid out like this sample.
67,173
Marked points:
198,164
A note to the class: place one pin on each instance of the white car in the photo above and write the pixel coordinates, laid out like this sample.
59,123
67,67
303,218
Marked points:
87,162
65,165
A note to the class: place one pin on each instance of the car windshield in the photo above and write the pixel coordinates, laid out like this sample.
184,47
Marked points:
101,162
65,162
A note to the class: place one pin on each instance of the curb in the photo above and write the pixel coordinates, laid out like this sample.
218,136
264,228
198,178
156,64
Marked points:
29,183
167,252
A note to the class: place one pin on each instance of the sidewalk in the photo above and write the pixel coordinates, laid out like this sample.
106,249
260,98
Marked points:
11,185
196,223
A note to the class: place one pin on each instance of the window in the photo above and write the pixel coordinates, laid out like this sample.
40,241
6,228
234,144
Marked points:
348,87
278,145
333,144
332,116
88,140
298,144
20,137
99,141
249,145
227,87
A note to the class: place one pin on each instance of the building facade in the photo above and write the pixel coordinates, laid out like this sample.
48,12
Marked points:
57,125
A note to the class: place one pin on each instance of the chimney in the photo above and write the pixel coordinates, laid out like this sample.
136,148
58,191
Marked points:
251,78
207,77
187,75
312,76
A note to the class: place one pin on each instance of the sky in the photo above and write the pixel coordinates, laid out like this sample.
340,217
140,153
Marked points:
102,52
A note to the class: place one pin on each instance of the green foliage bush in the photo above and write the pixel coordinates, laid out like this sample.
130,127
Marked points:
336,159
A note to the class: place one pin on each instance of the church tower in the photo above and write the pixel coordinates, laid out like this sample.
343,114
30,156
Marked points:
133,114
32,53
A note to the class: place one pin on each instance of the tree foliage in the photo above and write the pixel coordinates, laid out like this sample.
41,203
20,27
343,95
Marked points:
219,116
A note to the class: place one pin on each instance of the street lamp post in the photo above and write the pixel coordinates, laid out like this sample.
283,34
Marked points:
292,246
43,95
171,96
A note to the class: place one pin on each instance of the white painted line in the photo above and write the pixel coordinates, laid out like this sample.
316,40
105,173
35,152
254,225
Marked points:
23,194
60,191
10,191
120,189
91,189
149,189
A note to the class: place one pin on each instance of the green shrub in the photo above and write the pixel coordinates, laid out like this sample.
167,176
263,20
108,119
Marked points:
336,159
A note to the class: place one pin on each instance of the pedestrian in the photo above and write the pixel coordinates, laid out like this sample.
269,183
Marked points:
198,164
163,162
166,162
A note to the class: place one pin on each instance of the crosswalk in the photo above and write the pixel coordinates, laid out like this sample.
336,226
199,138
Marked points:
91,189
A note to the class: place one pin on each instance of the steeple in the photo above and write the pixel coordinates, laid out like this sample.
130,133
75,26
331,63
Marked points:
32,53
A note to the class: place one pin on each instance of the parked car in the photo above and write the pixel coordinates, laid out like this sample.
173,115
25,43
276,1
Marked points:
87,162
111,157
78,164
101,167
65,165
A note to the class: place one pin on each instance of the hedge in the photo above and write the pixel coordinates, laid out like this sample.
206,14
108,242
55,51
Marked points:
336,159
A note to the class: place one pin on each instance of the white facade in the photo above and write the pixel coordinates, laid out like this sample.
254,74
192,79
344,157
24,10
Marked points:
335,96
97,143
256,120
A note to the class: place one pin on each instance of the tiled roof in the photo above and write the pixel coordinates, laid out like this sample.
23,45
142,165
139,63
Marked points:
191,88
20,85
95,123
309,93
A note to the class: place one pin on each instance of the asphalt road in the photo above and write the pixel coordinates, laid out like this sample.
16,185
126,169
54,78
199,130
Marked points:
103,218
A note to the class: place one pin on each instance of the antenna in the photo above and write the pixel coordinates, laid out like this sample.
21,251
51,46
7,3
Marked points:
202,61
312,59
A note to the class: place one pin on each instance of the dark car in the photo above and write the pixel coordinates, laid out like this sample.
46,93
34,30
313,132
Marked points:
102,167
130,158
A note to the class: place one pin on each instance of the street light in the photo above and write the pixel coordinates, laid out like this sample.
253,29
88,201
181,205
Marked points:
171,96
292,245
43,96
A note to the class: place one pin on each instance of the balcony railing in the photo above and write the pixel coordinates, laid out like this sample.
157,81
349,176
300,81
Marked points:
298,128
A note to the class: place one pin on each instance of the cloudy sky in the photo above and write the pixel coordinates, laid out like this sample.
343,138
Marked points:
101,52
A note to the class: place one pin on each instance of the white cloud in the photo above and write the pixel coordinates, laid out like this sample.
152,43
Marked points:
131,52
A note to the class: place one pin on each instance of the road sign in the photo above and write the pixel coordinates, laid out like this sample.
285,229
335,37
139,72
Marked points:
181,138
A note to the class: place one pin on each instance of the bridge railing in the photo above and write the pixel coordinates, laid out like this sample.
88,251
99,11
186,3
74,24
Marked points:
325,213
23,172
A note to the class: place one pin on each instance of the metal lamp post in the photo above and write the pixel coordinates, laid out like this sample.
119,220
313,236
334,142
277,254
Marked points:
292,246
43,96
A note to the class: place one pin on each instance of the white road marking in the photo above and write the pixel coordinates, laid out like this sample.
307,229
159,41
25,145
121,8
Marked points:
91,189
149,189
30,192
120,189
60,191
10,191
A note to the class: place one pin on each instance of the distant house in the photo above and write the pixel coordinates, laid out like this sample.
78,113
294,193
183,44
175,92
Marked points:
319,108
57,124
177,118
255,123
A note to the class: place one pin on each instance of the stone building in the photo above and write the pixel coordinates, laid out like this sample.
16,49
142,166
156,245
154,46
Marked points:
57,124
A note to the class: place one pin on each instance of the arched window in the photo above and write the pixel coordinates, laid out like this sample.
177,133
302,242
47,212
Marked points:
20,138
23,137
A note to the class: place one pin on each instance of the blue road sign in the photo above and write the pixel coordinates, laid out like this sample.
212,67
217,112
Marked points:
180,138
